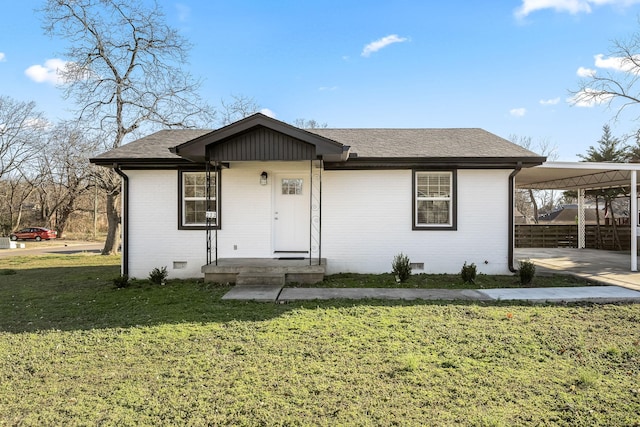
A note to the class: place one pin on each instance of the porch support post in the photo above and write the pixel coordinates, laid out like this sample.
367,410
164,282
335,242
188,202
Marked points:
633,220
310,212
581,220
315,214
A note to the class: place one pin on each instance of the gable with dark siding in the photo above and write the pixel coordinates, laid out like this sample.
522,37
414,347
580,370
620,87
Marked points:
261,144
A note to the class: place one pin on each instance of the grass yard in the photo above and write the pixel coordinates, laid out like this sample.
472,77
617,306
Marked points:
444,281
76,351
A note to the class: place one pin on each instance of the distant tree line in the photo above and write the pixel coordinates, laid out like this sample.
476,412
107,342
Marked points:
45,177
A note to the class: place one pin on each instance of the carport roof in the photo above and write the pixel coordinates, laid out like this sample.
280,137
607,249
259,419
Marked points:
576,175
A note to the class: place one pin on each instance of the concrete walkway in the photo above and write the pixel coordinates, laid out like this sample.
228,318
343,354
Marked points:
275,293
609,268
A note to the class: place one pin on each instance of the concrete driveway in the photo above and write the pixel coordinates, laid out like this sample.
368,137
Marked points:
605,267
51,247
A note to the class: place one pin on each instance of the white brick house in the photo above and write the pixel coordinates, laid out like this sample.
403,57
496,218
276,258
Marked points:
348,200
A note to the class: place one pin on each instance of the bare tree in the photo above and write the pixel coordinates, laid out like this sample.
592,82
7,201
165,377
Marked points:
15,191
125,72
21,130
309,124
65,172
536,198
21,133
620,85
239,107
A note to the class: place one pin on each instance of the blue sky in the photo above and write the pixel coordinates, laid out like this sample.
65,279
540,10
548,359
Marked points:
505,66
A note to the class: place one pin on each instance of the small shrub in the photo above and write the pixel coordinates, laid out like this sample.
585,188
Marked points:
121,282
468,273
401,267
526,272
158,275
8,272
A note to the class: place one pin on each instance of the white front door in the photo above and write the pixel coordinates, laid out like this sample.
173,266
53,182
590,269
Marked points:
291,214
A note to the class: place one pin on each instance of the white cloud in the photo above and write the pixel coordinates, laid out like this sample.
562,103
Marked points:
571,6
618,63
184,12
518,112
3,57
375,46
588,98
585,72
613,63
327,88
49,73
552,101
267,112
37,123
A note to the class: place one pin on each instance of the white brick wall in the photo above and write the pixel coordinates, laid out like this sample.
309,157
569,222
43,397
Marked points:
154,238
366,220
246,212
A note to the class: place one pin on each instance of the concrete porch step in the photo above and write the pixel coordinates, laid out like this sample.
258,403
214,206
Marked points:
261,278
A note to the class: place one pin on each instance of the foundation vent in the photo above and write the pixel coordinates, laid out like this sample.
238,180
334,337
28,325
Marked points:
179,265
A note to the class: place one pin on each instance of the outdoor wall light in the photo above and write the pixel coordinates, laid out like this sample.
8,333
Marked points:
263,178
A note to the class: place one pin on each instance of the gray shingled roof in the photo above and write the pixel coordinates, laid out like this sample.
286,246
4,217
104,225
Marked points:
154,146
420,143
376,143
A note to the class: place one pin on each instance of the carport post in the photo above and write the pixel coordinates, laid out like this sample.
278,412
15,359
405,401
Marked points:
581,221
633,220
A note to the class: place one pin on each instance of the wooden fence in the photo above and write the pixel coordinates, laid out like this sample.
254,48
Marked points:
566,236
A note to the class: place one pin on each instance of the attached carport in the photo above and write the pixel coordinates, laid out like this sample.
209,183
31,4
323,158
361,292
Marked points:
583,176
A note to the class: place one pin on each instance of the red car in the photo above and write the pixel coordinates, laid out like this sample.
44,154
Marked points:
36,233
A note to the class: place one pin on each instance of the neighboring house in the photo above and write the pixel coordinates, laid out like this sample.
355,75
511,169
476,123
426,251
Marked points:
348,200
568,215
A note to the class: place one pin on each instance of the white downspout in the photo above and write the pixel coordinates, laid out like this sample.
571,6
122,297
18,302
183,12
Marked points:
633,220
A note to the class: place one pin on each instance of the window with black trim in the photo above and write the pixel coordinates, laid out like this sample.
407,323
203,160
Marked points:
193,199
434,200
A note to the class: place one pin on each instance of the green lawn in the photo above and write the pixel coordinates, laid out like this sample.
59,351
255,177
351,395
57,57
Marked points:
76,351
443,281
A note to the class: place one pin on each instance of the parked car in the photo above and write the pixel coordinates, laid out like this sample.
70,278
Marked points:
36,233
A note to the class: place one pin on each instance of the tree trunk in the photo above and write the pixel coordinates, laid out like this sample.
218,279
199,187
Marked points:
535,206
113,230
19,217
63,218
616,236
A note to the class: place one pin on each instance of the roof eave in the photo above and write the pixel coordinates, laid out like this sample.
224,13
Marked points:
139,162
356,163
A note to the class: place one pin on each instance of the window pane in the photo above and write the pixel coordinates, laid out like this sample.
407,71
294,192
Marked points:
189,190
433,184
292,186
199,191
195,211
212,186
433,198
194,197
433,212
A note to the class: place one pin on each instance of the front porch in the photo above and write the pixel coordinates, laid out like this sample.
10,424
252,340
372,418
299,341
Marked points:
265,271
